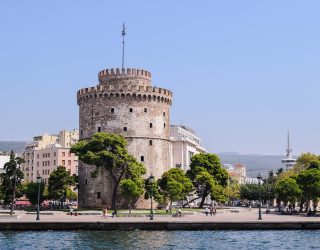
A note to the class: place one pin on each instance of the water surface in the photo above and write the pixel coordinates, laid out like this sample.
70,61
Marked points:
160,240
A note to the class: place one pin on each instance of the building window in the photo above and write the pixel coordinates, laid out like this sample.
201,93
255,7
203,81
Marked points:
54,162
54,154
99,129
150,142
130,110
142,158
81,133
164,125
69,163
112,110
98,195
63,162
124,128
86,181
63,153
150,125
164,113
37,156
145,110
37,164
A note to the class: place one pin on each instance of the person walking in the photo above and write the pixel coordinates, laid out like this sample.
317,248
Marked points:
206,211
167,209
104,213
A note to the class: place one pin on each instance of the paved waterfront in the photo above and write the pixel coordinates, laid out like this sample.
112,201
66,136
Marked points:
225,215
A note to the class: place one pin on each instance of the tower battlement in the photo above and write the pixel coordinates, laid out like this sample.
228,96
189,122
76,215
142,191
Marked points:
109,76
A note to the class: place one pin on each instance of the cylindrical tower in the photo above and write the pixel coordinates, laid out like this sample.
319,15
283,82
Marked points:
124,102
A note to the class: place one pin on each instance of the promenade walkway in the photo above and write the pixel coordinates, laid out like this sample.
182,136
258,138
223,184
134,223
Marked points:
225,215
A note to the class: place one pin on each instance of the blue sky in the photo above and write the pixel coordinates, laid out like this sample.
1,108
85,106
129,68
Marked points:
242,72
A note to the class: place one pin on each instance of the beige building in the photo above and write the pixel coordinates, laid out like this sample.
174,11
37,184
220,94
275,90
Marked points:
46,161
51,144
184,145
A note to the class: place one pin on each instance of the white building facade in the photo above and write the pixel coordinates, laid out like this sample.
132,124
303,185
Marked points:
184,145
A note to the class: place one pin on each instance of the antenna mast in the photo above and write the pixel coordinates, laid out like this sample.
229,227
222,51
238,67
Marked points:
123,33
289,150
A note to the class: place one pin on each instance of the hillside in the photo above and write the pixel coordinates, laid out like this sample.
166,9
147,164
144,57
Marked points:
16,146
255,163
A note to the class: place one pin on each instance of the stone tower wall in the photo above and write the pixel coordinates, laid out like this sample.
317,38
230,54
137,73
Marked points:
124,102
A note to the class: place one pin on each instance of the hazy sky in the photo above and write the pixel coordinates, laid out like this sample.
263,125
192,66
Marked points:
242,72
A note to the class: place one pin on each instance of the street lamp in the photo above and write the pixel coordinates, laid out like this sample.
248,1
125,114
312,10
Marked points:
151,180
259,182
38,208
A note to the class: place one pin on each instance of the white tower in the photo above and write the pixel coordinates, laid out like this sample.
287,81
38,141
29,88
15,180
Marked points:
288,162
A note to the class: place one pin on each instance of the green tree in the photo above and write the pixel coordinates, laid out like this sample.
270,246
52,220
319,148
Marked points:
11,180
130,190
109,151
175,185
309,183
314,164
288,190
31,191
59,183
205,172
304,161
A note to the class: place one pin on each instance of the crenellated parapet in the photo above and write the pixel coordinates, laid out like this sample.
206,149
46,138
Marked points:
124,76
142,93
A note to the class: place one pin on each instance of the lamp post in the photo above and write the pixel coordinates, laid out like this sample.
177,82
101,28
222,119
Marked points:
38,207
259,182
151,180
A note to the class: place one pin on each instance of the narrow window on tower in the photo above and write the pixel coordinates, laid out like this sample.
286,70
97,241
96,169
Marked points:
130,110
142,158
164,113
86,181
145,110
112,110
150,142
99,129
164,125
98,195
150,125
124,128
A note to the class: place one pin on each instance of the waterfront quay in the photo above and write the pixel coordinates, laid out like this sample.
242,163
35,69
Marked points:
227,219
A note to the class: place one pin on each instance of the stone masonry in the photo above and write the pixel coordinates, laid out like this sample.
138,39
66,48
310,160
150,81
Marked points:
124,102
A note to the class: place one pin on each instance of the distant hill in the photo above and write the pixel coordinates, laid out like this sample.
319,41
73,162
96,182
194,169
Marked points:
256,164
16,146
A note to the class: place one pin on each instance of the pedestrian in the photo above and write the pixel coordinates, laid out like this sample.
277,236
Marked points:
71,210
211,210
179,212
104,213
167,209
206,211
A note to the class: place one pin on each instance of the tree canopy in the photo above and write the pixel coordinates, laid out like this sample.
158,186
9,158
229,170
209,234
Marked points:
206,172
175,185
60,181
288,190
11,179
31,191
